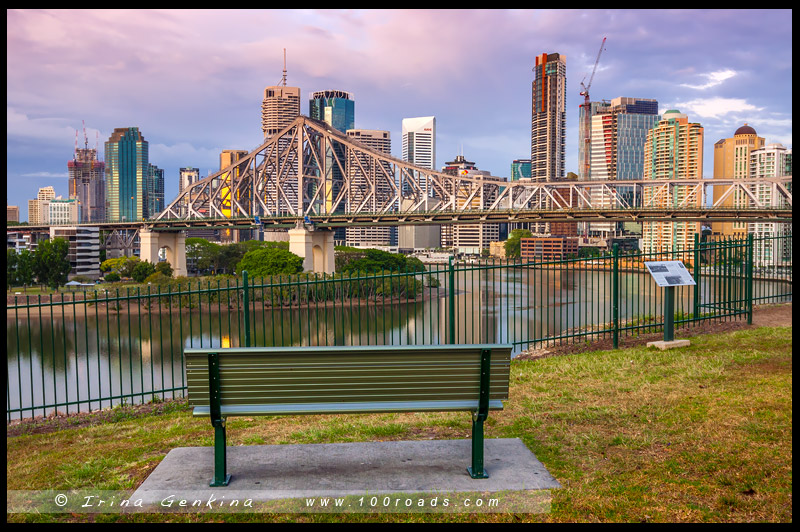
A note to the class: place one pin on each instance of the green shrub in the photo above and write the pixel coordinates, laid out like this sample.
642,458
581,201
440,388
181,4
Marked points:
142,270
262,262
164,268
157,278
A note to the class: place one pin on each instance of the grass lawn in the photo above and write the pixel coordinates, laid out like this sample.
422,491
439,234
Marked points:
701,434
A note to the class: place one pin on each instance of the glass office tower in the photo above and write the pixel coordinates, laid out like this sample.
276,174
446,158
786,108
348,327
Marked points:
154,191
127,169
337,109
520,169
619,132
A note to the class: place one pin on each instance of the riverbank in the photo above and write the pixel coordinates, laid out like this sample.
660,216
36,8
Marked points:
185,303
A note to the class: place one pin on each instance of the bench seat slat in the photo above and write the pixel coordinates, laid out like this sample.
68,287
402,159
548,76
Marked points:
348,408
256,395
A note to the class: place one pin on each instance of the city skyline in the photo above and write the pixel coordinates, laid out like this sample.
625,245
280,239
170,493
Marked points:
194,86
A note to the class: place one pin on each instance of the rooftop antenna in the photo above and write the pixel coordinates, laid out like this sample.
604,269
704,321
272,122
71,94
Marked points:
284,67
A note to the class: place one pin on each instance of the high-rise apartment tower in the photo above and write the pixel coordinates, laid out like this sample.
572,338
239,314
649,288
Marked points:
673,150
772,247
732,161
548,117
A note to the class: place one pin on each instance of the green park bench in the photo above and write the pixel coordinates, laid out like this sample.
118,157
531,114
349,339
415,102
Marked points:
252,381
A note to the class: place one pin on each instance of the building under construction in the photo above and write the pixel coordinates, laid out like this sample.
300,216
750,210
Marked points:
87,182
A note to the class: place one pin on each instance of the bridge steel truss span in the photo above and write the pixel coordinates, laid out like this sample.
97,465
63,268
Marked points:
312,170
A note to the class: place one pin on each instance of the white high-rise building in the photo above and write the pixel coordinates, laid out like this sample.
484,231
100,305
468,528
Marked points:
419,149
771,246
419,141
60,211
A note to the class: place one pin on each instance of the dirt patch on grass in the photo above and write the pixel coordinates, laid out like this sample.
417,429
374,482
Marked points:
53,423
763,316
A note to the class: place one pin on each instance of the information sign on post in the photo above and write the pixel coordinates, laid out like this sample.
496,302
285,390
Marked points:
669,274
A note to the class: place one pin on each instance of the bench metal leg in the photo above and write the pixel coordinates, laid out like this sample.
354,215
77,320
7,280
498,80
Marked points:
477,470
221,476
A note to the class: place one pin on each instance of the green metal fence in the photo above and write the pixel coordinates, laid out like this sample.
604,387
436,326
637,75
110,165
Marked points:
89,350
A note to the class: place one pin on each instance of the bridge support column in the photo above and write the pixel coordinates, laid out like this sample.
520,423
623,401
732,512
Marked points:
174,242
316,248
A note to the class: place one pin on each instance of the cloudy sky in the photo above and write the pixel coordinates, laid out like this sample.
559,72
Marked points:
193,80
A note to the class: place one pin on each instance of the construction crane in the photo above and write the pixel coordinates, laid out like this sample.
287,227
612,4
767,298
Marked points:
587,119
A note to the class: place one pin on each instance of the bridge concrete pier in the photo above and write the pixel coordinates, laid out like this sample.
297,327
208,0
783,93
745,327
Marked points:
316,248
174,242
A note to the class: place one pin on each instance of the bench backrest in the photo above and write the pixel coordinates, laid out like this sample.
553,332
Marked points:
296,380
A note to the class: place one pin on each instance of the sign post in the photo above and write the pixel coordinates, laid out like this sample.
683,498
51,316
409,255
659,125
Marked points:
669,274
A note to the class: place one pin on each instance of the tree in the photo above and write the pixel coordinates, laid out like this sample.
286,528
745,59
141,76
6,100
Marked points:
51,262
512,245
413,264
123,265
165,268
202,253
25,264
229,256
371,260
587,251
142,270
11,268
262,262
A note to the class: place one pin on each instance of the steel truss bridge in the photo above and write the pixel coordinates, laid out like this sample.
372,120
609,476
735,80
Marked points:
312,170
